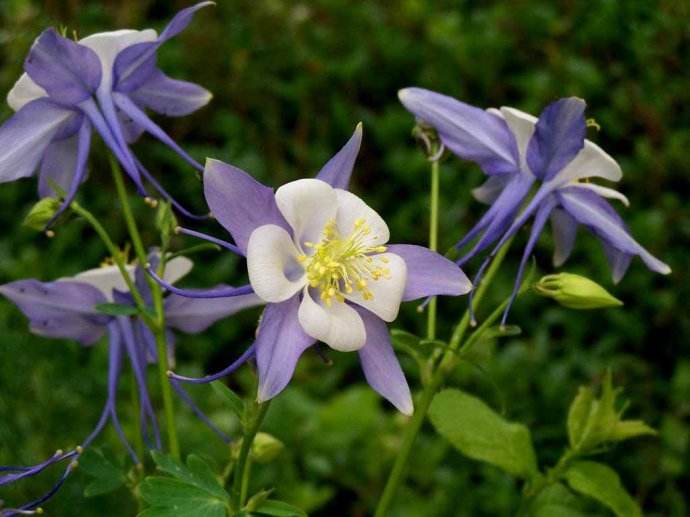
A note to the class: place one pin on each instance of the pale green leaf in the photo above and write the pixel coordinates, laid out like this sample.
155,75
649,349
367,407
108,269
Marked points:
479,432
279,509
578,415
235,403
602,483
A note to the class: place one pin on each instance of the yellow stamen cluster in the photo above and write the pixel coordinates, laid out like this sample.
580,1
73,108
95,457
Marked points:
342,265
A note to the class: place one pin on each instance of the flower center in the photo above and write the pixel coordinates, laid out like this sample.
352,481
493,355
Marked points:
341,265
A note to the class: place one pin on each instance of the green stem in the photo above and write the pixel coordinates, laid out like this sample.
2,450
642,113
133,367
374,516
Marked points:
437,378
115,253
240,481
158,325
433,243
138,441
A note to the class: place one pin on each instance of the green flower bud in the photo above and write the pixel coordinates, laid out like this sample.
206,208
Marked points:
575,292
266,448
41,213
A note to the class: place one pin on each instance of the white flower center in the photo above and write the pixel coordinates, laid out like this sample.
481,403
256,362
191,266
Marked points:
341,265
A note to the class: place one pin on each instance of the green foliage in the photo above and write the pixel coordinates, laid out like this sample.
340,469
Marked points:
557,500
234,402
272,508
290,80
482,434
117,309
193,491
593,422
602,483
166,222
107,472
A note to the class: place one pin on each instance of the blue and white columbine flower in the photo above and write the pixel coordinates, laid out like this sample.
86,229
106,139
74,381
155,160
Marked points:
103,82
517,151
318,257
67,309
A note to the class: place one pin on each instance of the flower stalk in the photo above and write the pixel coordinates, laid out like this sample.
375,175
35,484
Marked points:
433,240
240,483
157,326
440,372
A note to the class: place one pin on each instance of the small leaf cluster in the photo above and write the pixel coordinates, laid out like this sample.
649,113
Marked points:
594,423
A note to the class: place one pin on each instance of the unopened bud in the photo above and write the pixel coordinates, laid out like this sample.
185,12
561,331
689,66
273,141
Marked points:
266,448
576,292
41,213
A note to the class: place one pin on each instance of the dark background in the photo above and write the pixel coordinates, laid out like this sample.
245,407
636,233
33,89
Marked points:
291,80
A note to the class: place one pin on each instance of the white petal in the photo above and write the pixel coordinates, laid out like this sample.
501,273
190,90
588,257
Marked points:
24,91
603,191
591,161
388,292
106,279
351,208
339,326
307,205
177,268
107,45
274,272
521,124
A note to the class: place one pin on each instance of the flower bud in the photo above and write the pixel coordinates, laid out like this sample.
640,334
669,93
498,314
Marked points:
575,292
41,213
266,448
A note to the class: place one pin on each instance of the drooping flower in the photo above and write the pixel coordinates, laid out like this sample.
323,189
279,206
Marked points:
104,82
517,151
317,255
67,309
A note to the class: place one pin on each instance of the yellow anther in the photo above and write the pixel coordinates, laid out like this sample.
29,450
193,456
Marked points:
340,265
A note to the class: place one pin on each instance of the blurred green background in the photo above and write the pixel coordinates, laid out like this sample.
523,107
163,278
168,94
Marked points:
291,79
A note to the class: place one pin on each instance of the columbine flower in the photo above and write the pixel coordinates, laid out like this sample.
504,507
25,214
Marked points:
102,82
317,255
67,308
517,150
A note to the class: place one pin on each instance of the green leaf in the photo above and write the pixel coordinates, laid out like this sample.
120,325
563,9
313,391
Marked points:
166,223
108,476
196,474
278,509
234,401
404,339
630,429
556,500
116,309
257,500
592,421
479,432
602,483
185,500
102,486
578,415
